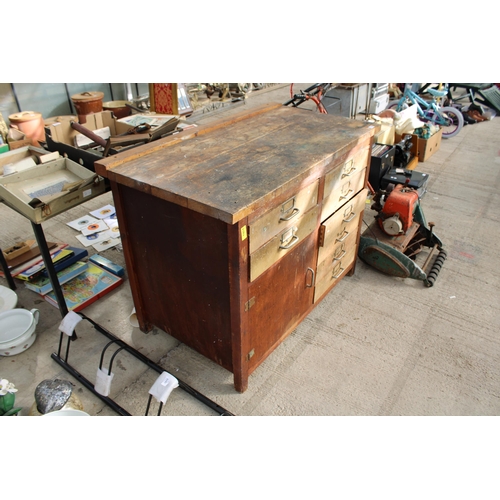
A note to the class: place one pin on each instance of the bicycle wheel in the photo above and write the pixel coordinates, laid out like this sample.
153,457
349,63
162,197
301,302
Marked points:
397,105
456,121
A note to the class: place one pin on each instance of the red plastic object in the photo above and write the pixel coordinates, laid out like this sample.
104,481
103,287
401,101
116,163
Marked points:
402,201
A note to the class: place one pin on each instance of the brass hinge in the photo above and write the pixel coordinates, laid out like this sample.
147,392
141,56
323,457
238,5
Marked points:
321,235
249,304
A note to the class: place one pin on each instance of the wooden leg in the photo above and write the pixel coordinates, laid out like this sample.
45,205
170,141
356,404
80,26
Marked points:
241,381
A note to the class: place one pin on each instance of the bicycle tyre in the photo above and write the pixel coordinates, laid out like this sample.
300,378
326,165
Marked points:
457,121
397,105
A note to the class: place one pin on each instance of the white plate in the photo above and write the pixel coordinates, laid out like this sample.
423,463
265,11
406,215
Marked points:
8,299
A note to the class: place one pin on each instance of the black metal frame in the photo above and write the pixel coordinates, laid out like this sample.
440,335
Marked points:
124,346
63,361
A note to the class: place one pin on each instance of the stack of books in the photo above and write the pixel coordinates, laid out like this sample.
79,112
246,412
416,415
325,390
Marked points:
36,277
82,282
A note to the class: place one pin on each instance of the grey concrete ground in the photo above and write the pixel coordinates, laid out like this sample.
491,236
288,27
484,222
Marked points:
376,345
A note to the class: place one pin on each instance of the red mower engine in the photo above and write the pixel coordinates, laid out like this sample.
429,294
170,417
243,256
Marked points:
396,215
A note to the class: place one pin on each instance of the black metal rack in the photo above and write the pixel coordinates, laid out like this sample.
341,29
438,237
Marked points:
121,345
63,360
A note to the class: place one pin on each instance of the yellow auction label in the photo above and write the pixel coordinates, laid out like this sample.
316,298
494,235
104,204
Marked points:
243,233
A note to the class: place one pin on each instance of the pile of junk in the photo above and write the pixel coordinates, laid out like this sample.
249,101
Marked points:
399,237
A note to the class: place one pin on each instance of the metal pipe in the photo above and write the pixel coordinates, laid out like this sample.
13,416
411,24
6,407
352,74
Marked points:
89,386
211,404
128,92
88,133
15,96
49,265
70,102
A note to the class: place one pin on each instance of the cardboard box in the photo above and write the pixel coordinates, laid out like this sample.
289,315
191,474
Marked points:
386,134
60,136
17,139
21,154
427,147
49,189
423,149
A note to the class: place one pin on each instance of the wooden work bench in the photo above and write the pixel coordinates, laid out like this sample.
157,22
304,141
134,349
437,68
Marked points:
233,232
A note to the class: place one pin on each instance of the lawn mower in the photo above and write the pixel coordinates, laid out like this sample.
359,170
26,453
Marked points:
398,234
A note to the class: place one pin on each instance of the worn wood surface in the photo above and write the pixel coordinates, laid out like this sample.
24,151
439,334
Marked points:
227,172
188,206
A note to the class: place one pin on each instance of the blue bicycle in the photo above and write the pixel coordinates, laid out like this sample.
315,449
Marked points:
448,118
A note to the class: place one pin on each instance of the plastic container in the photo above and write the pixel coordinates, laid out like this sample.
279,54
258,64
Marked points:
30,123
87,103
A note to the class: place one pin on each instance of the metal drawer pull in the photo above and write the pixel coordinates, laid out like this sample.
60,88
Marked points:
345,234
341,256
287,207
348,171
294,240
350,217
289,238
313,277
339,252
347,195
339,273
295,211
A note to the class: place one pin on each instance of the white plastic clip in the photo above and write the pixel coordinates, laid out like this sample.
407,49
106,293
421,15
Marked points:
69,323
103,382
163,386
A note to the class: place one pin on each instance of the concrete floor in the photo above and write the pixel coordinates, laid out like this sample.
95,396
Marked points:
376,345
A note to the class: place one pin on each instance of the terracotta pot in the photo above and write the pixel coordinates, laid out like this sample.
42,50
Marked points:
30,123
119,108
87,103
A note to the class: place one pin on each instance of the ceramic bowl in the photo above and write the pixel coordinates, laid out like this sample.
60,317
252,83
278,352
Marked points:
8,299
17,330
66,413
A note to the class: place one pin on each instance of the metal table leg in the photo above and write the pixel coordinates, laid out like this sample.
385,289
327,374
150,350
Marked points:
49,265
6,271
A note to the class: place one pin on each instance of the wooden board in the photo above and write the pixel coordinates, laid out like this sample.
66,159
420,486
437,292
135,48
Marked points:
228,174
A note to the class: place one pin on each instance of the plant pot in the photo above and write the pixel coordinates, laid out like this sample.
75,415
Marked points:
31,124
7,405
87,103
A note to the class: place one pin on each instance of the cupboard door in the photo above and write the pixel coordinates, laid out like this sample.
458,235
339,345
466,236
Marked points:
280,298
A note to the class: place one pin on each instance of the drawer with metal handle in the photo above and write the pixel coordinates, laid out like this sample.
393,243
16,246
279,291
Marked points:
354,164
343,193
282,216
278,246
330,271
342,226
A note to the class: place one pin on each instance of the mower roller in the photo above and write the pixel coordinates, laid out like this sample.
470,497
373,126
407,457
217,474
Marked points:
398,234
